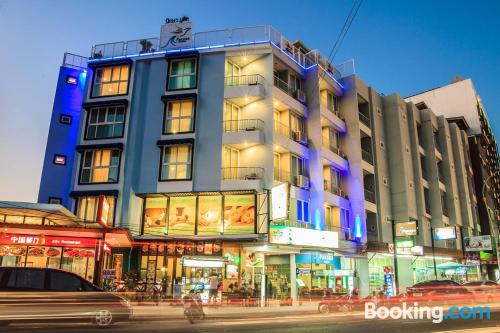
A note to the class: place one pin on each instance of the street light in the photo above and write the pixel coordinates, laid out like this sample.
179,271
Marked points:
490,220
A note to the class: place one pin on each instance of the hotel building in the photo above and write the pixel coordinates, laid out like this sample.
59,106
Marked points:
250,155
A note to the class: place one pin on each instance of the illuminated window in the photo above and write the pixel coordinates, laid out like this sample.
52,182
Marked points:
59,160
105,122
176,162
56,201
112,80
71,80
182,74
179,116
86,208
100,166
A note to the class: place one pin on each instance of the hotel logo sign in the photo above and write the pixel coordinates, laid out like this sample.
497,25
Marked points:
176,33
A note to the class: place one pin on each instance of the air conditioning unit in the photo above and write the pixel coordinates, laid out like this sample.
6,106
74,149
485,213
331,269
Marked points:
251,176
300,137
250,128
302,181
300,95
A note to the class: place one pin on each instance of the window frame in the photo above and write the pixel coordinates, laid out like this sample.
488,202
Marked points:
303,204
107,107
180,99
82,158
91,93
169,73
96,196
190,163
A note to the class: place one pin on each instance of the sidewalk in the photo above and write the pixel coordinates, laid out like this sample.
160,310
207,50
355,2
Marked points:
171,311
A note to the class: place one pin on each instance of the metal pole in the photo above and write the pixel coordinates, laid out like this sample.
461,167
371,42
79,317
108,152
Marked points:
433,253
393,223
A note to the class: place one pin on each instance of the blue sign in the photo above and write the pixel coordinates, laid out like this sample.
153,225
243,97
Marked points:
318,258
389,283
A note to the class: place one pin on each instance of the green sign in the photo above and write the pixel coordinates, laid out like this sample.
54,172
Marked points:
404,243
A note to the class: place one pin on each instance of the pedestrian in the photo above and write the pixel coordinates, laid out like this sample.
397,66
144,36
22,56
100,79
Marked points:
213,291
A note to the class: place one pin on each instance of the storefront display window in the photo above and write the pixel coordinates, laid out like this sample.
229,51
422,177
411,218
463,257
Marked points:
201,215
239,214
155,216
182,215
209,215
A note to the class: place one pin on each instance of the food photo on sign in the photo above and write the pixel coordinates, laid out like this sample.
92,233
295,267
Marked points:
182,215
239,214
155,216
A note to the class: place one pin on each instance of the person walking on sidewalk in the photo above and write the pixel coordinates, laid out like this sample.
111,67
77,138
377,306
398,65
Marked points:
213,292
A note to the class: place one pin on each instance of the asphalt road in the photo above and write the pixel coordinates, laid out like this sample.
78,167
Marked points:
285,323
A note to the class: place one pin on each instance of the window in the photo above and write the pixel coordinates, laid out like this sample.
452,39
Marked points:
71,80
331,139
178,116
298,166
295,83
296,123
231,117
65,119
86,208
230,158
182,74
112,80
26,279
105,122
176,162
55,201
59,160
100,166
232,74
332,102
336,178
302,211
60,281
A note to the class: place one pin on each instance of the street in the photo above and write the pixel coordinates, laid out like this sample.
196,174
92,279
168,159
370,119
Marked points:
292,322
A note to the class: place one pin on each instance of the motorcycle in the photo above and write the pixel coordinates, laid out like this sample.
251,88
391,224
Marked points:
193,307
156,293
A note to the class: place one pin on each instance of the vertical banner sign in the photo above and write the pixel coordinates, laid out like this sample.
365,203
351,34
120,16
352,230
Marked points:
176,33
390,284
102,211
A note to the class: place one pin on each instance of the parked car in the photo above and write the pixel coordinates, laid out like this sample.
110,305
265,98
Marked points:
439,292
43,294
485,290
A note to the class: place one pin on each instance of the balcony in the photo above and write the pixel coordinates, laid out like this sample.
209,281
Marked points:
332,188
283,176
298,94
370,196
367,156
287,132
243,125
243,173
364,119
244,80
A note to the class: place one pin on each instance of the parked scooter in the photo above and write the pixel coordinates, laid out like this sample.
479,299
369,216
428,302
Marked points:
193,306
156,292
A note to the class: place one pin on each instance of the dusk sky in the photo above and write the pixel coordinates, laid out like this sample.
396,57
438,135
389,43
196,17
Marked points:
398,46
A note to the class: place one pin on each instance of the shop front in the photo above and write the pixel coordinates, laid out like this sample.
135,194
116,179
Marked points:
49,236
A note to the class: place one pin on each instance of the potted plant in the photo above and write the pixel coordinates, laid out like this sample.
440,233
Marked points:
146,45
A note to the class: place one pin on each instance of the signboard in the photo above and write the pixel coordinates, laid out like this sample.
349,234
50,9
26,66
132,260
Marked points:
108,274
478,243
404,229
445,233
390,285
472,258
304,237
16,239
417,250
176,33
102,211
404,243
279,199
342,272
391,248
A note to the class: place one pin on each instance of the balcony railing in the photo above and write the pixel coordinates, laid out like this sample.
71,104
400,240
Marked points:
75,61
441,178
244,80
282,176
344,233
370,196
331,108
334,149
367,156
243,125
364,119
332,188
224,38
283,129
244,173
295,93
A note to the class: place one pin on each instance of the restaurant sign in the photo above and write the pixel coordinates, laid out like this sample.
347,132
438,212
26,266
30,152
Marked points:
16,239
176,33
406,229
478,243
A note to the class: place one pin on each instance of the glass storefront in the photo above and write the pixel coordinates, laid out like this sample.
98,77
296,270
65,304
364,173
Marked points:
80,261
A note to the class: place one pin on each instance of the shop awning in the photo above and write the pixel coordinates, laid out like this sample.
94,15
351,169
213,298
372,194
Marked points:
203,261
451,265
31,213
